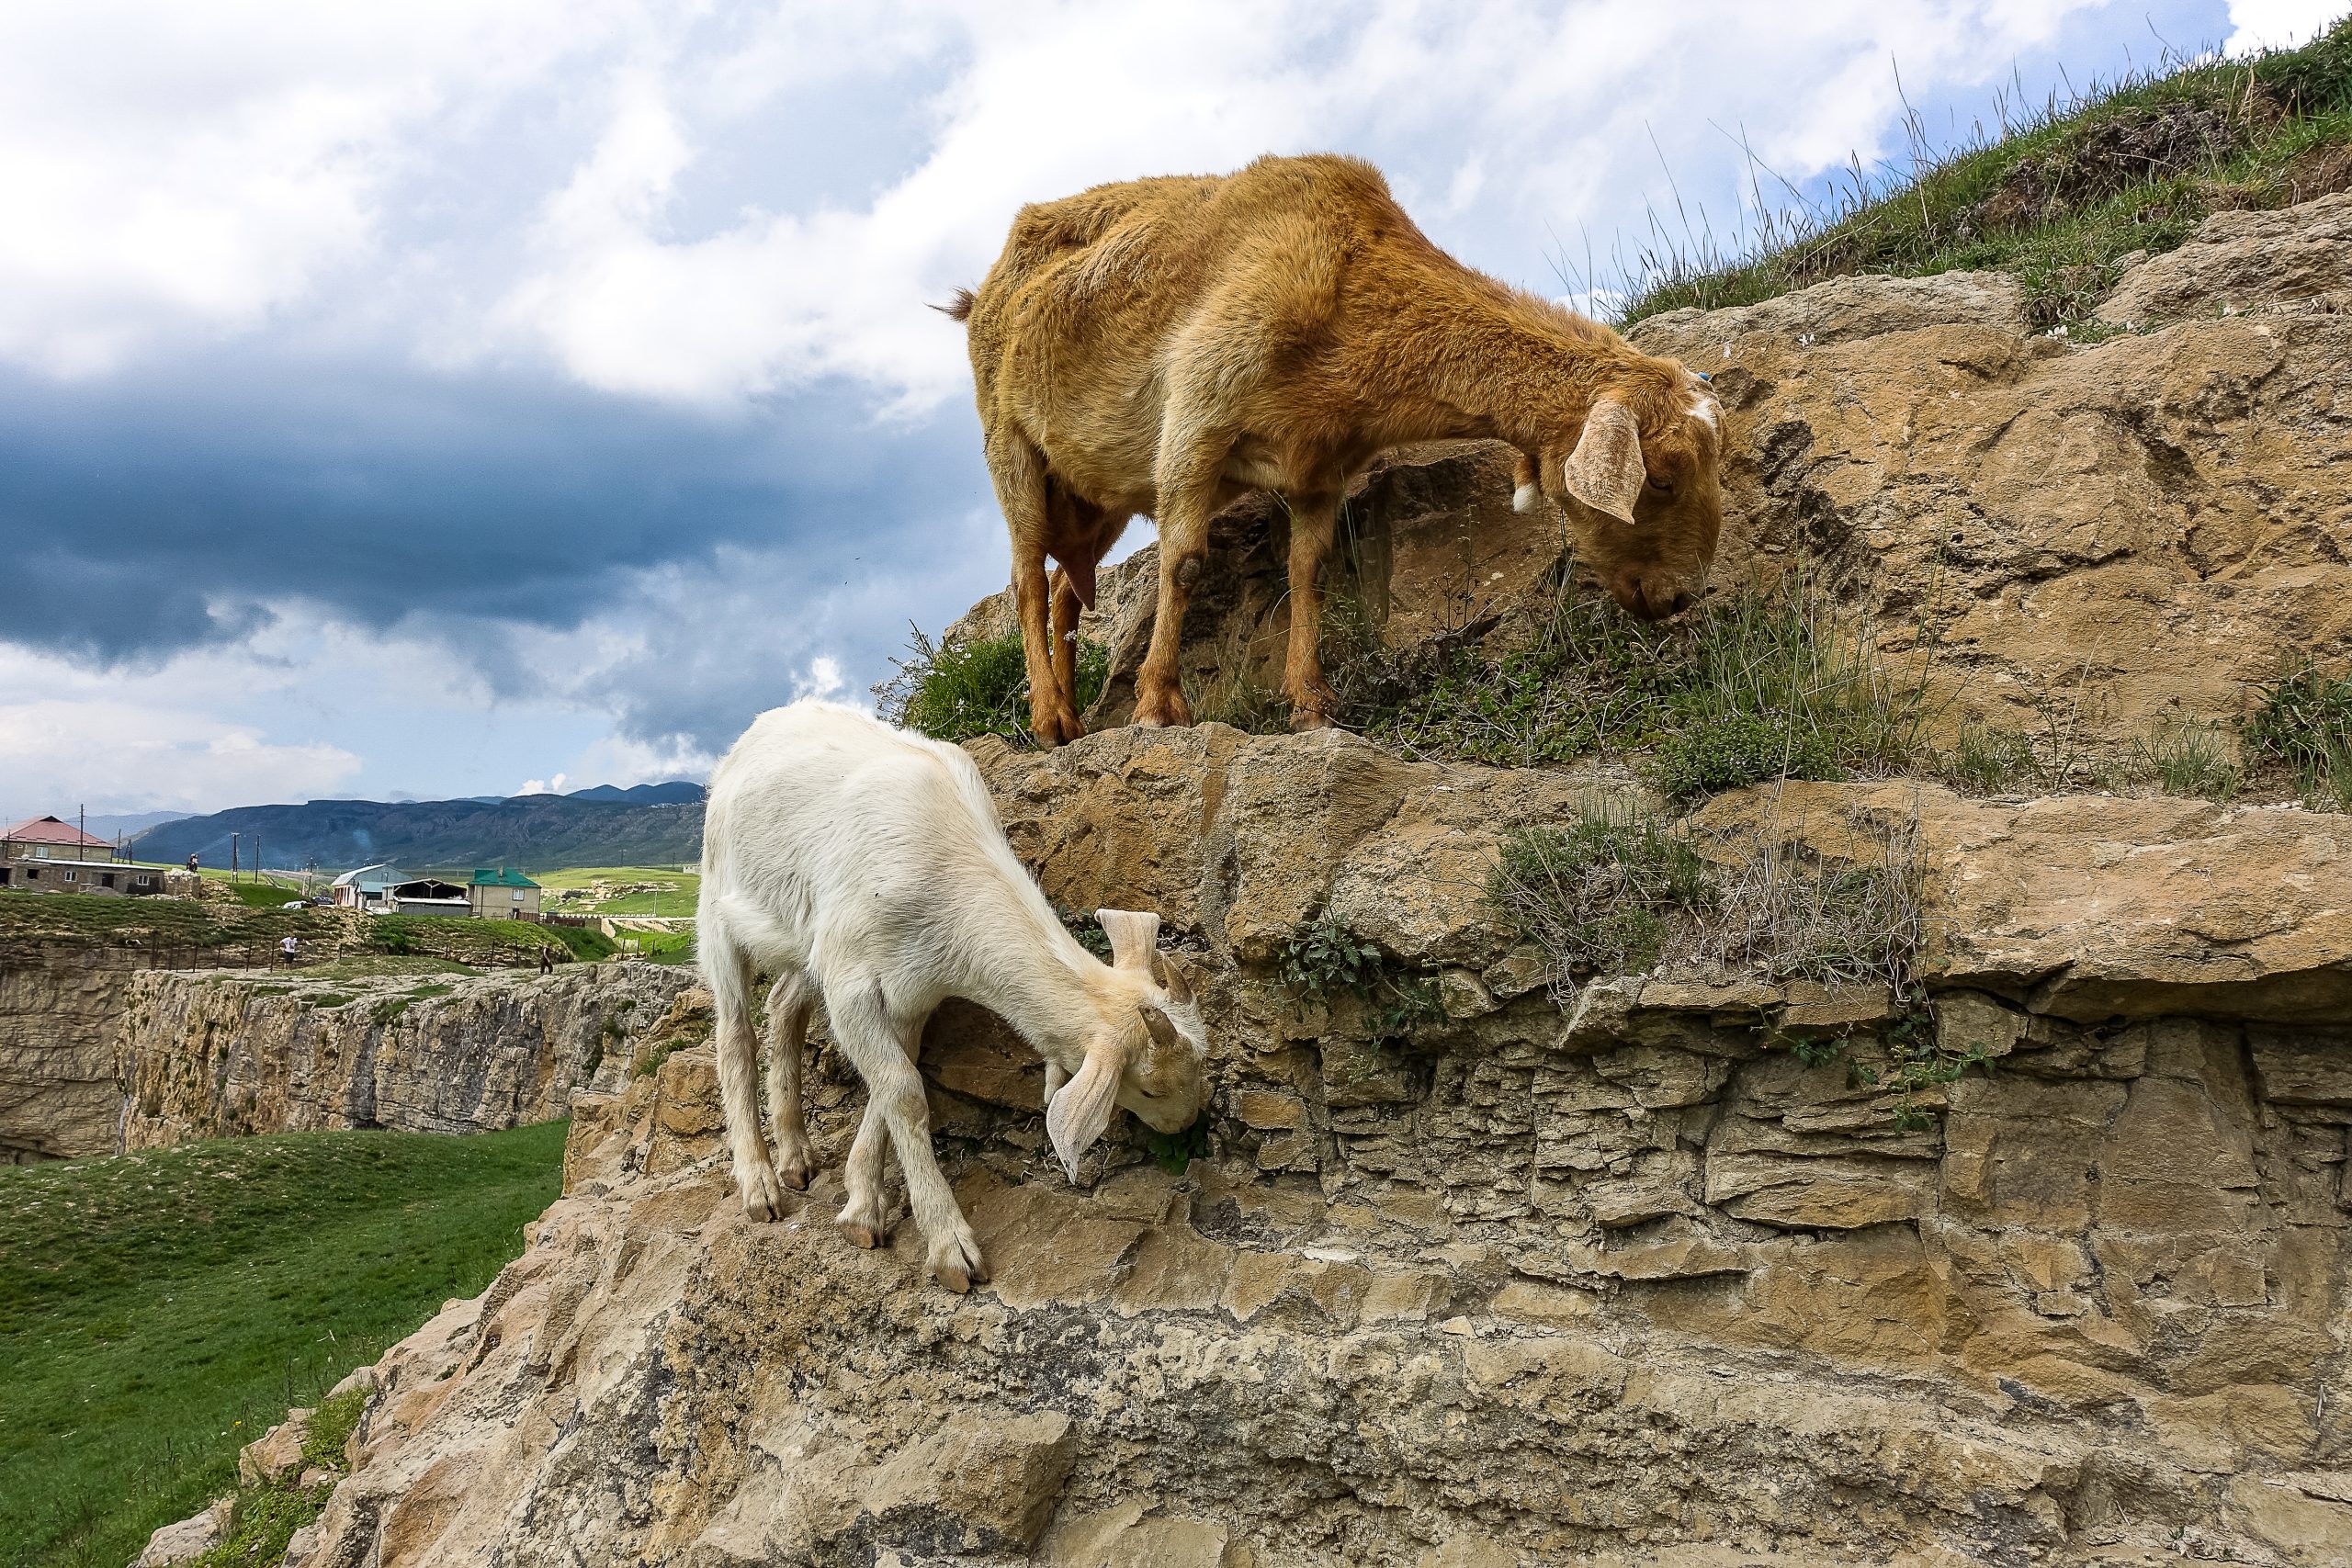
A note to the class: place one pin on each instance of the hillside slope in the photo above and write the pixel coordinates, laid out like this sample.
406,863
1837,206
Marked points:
540,832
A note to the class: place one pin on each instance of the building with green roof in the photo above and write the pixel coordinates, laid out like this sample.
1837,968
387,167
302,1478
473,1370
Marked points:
503,893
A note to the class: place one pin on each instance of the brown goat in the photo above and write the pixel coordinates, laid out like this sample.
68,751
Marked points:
1164,345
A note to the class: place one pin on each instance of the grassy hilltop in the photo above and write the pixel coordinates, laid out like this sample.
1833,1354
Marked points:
2061,199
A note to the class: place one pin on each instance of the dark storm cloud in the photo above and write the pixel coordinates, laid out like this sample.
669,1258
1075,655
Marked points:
139,517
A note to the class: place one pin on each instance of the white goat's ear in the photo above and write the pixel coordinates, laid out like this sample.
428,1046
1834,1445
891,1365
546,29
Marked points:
1133,937
1077,1116
1605,472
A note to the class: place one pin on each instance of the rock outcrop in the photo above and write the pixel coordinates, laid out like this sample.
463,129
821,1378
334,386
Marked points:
1629,1280
213,1054
60,1008
2039,1252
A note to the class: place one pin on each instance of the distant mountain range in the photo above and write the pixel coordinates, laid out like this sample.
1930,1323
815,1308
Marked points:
658,824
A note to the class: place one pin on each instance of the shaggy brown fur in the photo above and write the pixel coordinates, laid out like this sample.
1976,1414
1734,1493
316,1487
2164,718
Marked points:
1164,345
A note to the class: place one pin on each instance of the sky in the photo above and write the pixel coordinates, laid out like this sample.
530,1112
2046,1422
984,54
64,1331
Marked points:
460,398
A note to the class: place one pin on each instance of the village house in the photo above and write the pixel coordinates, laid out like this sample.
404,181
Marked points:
503,892
43,855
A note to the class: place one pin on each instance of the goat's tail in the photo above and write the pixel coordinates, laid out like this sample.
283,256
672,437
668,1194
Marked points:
960,307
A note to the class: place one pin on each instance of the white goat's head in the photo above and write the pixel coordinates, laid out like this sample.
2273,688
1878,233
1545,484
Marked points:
1152,1059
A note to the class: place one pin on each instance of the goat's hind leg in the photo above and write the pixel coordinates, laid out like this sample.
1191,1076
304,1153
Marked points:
729,976
789,1003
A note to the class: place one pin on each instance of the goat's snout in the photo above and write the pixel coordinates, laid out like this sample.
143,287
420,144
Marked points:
1650,595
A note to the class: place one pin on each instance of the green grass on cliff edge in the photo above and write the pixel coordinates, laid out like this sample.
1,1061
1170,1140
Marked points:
160,1310
2058,195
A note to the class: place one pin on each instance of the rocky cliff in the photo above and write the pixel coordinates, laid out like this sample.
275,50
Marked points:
2018,1233
61,1006
214,1054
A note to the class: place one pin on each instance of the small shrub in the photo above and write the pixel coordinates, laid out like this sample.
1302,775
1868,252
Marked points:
1766,684
1325,960
1600,895
1175,1152
1087,930
332,1425
1785,912
955,691
1990,761
2305,722
2189,759
1738,749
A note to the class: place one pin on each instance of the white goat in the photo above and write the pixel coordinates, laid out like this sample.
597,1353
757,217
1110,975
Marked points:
867,867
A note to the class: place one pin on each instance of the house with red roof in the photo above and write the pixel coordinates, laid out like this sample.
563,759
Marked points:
43,855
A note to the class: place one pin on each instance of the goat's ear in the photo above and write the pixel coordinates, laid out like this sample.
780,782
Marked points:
1077,1116
1170,980
1605,472
1133,937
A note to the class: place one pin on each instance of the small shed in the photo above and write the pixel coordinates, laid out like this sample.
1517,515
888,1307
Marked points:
426,895
503,892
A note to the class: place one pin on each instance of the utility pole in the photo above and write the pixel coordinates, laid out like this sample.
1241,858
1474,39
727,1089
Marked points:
232,857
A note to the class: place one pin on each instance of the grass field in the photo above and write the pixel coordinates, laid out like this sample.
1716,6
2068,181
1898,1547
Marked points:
183,923
680,887
159,1310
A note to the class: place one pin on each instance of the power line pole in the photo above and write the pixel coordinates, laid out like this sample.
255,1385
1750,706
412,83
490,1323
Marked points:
232,857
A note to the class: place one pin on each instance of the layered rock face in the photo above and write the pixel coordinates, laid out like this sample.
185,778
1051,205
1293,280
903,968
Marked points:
1624,1280
61,1007
212,1055
1487,1263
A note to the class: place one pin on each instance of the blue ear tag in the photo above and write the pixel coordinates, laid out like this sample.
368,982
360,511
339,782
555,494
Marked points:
1703,375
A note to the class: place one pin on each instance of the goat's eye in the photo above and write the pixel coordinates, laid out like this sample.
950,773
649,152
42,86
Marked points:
1661,487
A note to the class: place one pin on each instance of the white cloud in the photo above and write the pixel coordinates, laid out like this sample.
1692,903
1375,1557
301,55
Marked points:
2277,24
543,786
1492,119
173,168
143,758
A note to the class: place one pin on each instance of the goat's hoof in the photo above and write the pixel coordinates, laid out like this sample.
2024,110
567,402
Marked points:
957,1265
1304,719
1056,725
1163,713
794,1171
763,1199
861,1236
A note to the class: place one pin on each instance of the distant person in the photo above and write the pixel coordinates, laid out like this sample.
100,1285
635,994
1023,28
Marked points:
287,946
191,862
546,960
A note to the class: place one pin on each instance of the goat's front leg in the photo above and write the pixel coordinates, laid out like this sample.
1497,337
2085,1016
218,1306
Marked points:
789,1002
1312,701
882,1050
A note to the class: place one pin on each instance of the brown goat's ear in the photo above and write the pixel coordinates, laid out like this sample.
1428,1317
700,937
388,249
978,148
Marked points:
1080,1113
1134,937
1170,980
1605,472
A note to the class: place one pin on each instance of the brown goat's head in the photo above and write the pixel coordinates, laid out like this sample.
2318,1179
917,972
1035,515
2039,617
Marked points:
1638,482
